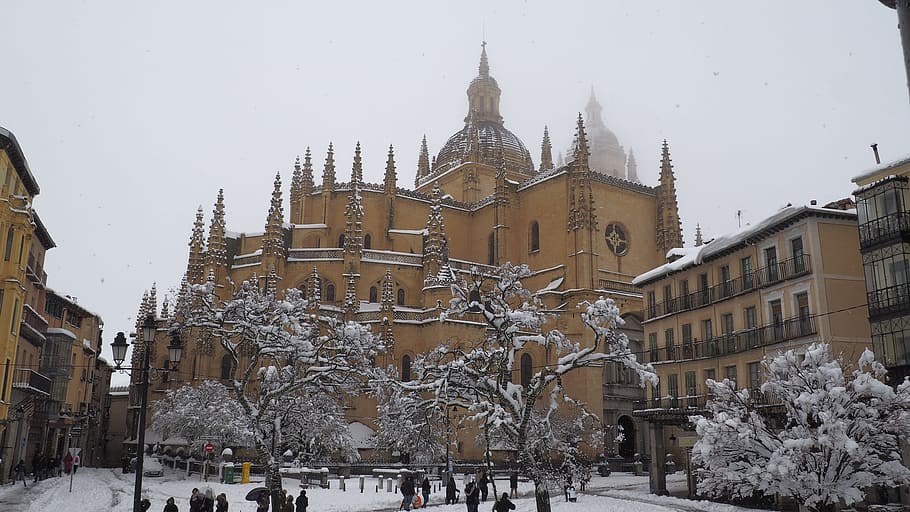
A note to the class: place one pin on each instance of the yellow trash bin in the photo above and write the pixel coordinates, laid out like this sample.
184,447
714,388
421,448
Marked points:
245,473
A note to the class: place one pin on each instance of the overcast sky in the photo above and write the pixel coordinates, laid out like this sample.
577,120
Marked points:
132,114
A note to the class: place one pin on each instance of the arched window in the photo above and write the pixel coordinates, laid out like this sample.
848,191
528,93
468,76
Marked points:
165,374
405,368
9,244
474,296
526,369
341,240
330,292
400,300
534,236
491,250
367,241
227,367
374,294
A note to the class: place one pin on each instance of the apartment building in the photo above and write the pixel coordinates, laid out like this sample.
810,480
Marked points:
718,310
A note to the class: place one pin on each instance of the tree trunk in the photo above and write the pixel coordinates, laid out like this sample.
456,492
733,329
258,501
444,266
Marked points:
272,478
542,496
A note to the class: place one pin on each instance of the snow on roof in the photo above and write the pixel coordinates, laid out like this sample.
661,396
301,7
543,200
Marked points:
60,330
881,168
362,435
691,256
552,285
409,231
87,345
310,226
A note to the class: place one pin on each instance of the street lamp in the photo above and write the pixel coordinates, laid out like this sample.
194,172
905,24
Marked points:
119,346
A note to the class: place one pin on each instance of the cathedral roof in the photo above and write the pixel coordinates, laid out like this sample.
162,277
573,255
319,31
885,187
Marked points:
484,135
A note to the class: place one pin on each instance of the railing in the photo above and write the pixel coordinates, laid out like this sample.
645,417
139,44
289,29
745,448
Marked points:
34,326
740,341
892,299
759,278
393,257
466,266
30,381
247,260
612,285
688,404
890,227
314,254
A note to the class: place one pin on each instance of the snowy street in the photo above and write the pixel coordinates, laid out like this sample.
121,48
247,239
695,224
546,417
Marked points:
97,490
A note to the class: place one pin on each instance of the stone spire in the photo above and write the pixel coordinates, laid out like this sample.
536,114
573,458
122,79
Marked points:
698,239
387,310
351,304
306,182
216,255
594,111
669,232
165,308
301,187
273,238
581,198
423,161
546,152
353,211
195,268
328,172
313,292
271,282
484,93
296,187
390,182
435,249
632,168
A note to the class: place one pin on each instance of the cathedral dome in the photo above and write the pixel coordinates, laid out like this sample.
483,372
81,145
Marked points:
484,135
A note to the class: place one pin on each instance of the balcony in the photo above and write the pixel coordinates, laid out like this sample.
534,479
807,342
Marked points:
758,278
742,341
890,300
679,408
32,382
34,326
895,226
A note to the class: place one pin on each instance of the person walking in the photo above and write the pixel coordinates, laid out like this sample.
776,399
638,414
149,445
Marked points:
289,504
262,502
503,504
221,503
196,499
513,484
425,490
20,472
407,492
451,491
36,466
170,506
302,501
208,500
483,483
472,496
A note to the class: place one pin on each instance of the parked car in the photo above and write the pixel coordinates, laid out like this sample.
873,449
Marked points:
151,467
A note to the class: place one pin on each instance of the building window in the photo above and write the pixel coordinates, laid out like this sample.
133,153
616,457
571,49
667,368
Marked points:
777,319
730,374
367,241
341,240
400,298
755,376
798,255
652,304
652,345
691,389
535,236
668,299
374,294
405,368
5,382
709,374
684,293
726,323
330,292
726,283
746,269
15,317
655,395
474,300
9,244
670,343
491,249
750,322
802,312
687,341
707,335
673,390
891,341
703,290
773,273
227,367
526,368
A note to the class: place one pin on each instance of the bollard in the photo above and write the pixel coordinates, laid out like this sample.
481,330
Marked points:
362,480
388,485
188,468
341,483
245,473
380,483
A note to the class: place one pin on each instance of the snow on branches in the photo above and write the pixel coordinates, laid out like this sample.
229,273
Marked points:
410,425
203,412
840,434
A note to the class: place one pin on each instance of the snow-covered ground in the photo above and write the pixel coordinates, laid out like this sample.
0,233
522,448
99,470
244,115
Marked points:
97,490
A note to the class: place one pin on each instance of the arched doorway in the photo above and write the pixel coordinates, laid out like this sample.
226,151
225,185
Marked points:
627,445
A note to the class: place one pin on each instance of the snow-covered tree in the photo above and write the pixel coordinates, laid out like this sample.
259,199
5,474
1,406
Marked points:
410,425
282,353
315,427
840,434
200,413
479,377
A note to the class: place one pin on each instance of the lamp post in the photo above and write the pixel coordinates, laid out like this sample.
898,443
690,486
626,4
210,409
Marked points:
119,346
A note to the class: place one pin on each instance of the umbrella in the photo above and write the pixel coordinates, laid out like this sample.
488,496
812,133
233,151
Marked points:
256,492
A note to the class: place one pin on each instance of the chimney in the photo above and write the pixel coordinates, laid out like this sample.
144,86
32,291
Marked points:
813,202
875,152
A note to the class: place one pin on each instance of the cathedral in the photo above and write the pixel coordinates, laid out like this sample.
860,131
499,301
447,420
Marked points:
368,251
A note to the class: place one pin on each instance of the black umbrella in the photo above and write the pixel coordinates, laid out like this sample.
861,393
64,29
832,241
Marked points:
256,493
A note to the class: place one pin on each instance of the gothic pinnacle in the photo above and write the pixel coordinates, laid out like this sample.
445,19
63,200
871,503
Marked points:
546,152
357,168
391,177
328,172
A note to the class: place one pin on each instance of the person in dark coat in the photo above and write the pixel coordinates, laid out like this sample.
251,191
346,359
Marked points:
503,504
407,492
262,503
196,500
36,465
208,501
302,501
170,506
513,484
20,472
425,490
472,496
451,491
221,503
483,483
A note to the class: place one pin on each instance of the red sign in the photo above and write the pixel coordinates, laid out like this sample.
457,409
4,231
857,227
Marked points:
209,447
